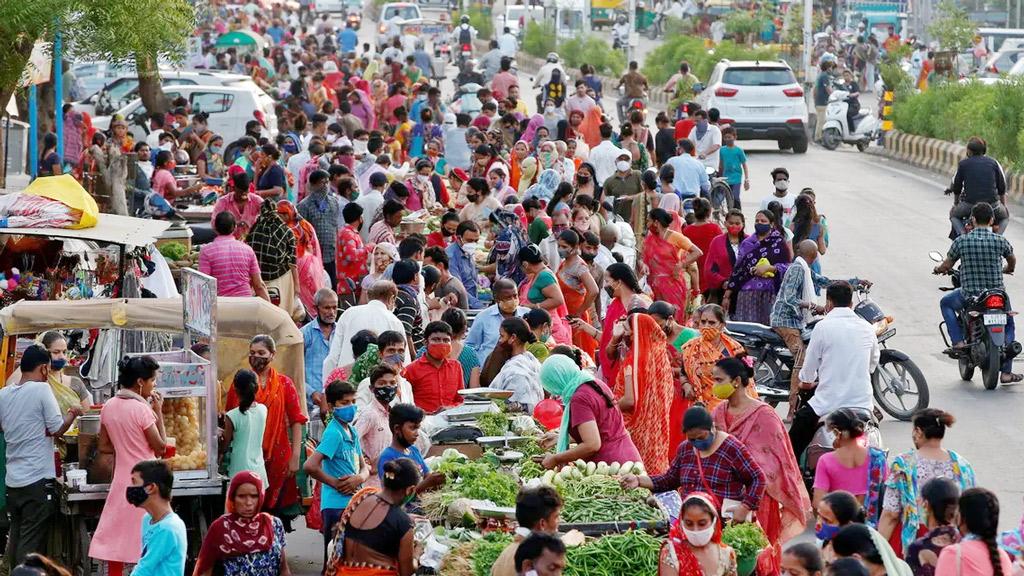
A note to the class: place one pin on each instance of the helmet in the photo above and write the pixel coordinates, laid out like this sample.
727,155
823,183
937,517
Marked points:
552,57
464,19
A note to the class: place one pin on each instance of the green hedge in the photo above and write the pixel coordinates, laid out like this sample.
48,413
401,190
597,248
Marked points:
539,39
664,61
594,50
955,112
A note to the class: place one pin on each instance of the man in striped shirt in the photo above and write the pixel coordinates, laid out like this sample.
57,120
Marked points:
231,262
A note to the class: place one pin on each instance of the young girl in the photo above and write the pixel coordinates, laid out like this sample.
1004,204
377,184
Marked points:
243,429
695,545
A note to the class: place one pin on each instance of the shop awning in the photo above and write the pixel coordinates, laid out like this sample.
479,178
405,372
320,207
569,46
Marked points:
240,38
110,229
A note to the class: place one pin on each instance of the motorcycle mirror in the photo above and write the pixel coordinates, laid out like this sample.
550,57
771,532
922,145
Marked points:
936,256
698,88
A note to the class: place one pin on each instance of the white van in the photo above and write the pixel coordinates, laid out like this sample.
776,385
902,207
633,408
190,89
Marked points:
229,107
120,92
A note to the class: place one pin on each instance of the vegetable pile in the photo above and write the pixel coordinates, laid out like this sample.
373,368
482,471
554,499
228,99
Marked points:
493,423
174,251
591,494
479,481
747,539
487,550
615,555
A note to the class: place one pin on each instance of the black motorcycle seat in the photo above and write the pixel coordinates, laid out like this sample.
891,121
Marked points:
755,330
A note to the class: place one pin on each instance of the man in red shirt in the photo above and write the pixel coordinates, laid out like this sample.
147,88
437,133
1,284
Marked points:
435,378
684,126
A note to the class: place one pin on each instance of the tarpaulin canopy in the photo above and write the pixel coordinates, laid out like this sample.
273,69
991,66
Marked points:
66,190
109,228
241,38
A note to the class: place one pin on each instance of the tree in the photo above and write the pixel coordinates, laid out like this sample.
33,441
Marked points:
953,28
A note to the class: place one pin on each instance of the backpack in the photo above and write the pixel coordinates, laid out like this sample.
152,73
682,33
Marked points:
556,88
465,35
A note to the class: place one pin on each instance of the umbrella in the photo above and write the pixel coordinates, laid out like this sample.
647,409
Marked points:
241,38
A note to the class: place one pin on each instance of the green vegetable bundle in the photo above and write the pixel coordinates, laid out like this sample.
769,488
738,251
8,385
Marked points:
174,251
746,539
479,481
530,470
487,550
493,423
615,555
591,510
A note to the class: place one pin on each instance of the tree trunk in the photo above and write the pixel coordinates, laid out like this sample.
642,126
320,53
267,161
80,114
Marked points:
152,95
17,60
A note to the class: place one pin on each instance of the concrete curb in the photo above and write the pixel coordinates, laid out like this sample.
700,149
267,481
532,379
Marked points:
938,156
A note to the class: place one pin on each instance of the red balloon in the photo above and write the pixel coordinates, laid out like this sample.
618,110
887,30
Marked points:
549,413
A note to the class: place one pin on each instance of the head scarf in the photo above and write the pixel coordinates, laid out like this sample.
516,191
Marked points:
364,365
590,128
530,134
547,153
561,377
545,186
388,247
232,535
527,172
689,565
286,210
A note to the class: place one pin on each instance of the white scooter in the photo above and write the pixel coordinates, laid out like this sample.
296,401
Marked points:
836,132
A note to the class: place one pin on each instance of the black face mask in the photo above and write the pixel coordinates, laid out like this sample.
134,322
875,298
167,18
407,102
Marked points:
402,441
588,257
136,495
386,394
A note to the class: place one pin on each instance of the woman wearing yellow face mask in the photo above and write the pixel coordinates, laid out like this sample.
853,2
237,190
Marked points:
785,507
700,355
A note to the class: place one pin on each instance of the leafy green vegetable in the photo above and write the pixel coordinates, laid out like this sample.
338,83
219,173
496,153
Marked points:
174,251
746,539
479,481
493,423
487,551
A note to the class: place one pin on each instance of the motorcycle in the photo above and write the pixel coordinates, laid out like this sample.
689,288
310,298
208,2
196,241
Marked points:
983,323
463,53
836,129
720,195
898,385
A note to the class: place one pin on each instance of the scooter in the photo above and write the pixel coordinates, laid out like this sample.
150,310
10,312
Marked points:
836,132
983,323
898,384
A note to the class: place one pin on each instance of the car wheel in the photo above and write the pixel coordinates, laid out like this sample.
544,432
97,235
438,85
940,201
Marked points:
862,146
785,145
830,138
800,145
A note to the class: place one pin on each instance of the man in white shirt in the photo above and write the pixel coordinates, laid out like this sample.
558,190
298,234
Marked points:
376,315
580,100
508,44
604,155
841,356
544,74
707,138
371,200
780,177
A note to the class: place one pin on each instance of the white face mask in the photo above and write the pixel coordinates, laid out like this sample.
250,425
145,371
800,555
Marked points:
167,146
332,138
359,146
424,179
699,537
622,166
782,185
469,248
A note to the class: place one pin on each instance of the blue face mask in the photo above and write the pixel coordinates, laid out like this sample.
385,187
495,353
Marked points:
58,364
826,531
705,444
761,229
345,414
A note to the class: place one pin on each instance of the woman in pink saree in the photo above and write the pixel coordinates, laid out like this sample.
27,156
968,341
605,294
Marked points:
785,507
308,263
666,254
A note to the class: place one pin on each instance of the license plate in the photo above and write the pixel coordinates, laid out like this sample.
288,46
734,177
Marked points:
995,319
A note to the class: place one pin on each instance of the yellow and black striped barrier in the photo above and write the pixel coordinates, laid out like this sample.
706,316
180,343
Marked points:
887,110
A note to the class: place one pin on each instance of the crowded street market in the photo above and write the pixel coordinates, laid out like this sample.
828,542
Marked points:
359,288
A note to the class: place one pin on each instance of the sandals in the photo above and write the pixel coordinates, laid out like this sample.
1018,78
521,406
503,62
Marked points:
1013,378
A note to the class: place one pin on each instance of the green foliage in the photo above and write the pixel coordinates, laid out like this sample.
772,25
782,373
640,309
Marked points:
664,60
487,550
744,23
746,539
482,22
594,50
895,78
956,112
953,28
539,39
794,33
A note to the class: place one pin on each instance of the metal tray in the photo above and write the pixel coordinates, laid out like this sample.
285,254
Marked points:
488,393
469,411
498,441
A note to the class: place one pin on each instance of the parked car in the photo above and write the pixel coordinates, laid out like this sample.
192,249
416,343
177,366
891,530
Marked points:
761,99
229,107
516,17
1001,62
391,14
118,93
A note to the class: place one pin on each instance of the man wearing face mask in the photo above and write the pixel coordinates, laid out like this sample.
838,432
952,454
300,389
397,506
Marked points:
462,262
435,378
707,138
391,352
623,185
780,177
537,511
376,315
483,335
338,462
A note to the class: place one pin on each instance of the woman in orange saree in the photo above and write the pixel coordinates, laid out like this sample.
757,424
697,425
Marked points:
644,389
308,262
700,355
282,439
666,254
578,288
785,507
590,128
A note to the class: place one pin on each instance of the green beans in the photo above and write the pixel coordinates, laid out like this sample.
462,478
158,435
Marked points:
615,555
588,510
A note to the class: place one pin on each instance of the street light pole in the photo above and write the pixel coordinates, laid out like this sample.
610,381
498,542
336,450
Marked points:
630,37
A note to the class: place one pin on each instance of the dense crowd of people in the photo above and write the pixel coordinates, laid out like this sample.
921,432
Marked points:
569,257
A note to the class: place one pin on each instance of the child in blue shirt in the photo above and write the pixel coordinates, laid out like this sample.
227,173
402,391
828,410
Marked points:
338,462
733,164
164,541
404,421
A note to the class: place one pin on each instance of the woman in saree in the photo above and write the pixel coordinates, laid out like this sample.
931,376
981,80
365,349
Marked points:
578,287
540,289
666,255
520,151
644,389
694,546
903,517
676,335
308,264
244,541
284,420
527,174
626,295
702,353
68,390
785,506
530,133
590,128
761,263
509,239
375,534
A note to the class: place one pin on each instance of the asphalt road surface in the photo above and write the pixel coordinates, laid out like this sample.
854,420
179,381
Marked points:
884,218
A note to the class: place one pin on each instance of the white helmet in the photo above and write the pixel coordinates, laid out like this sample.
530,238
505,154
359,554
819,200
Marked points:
552,57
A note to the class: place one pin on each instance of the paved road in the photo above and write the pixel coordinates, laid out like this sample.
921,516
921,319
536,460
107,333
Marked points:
884,218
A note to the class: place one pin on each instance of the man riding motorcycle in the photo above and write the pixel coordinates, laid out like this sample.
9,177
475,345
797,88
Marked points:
981,253
842,354
636,87
620,32
463,35
978,178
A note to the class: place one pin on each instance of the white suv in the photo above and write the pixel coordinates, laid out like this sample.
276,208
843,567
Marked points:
761,99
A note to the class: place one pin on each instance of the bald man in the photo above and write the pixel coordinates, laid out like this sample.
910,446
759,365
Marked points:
796,304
